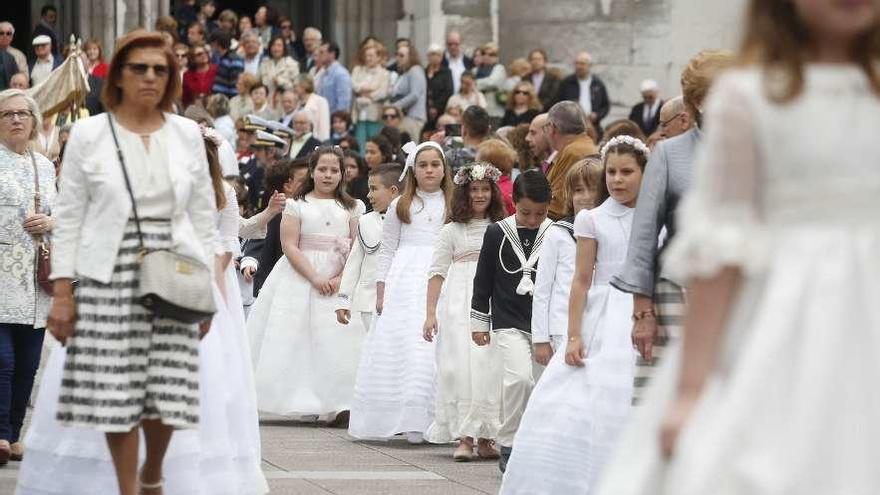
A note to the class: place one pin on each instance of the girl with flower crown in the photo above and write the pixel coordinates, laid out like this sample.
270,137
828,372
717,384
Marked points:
467,404
582,401
394,390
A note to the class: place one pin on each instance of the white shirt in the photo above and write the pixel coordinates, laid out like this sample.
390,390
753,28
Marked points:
252,65
42,69
584,95
553,285
146,166
456,66
296,144
648,111
357,288
538,80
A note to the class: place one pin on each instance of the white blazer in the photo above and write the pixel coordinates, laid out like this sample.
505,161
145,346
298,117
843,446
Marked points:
93,206
553,284
357,288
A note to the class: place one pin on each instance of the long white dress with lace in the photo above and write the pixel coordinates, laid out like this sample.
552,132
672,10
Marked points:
222,457
789,407
304,360
576,414
468,376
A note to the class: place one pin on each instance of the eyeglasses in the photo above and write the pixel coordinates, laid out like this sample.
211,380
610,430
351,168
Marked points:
159,70
12,115
664,123
5,33
389,116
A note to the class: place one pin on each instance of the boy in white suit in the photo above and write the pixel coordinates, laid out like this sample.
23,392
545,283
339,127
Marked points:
357,289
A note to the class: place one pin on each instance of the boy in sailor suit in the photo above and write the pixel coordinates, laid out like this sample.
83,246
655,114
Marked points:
357,289
502,297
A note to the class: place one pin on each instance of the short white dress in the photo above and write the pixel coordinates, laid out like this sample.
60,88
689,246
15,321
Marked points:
791,406
576,414
395,388
304,360
469,376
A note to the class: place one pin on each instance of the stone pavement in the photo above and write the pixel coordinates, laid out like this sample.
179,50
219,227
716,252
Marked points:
309,459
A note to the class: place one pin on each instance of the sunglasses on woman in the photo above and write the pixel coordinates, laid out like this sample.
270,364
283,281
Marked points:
160,70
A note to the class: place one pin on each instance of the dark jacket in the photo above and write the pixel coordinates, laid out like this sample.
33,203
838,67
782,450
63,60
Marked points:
307,148
8,68
56,61
269,254
468,62
637,116
42,28
569,89
549,90
511,118
439,90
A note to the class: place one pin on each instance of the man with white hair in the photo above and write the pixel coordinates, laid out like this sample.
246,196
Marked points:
675,119
586,89
19,80
647,113
252,50
303,142
45,62
7,32
456,60
312,38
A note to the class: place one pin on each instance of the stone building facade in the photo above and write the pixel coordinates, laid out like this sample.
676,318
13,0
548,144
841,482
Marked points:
629,40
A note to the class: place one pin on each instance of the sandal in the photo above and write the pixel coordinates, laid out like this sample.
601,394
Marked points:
149,486
5,452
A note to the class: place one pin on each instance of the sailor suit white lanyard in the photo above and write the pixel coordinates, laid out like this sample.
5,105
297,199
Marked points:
526,285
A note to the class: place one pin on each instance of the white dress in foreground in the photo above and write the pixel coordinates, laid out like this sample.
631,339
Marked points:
468,400
576,414
394,392
304,360
790,407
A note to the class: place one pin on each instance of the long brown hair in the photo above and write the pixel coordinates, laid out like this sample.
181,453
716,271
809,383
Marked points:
410,186
460,211
591,172
111,93
775,38
216,173
308,185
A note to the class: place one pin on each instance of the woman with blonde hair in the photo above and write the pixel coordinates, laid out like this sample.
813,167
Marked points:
523,105
241,105
95,56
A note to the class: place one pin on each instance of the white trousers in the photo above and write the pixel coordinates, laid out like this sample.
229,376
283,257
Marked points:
520,371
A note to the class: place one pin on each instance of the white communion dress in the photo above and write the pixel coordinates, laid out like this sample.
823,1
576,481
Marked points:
304,360
394,392
789,407
221,457
469,376
576,414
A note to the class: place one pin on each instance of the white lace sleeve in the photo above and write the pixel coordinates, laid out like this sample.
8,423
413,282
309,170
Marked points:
720,218
228,224
444,248
390,240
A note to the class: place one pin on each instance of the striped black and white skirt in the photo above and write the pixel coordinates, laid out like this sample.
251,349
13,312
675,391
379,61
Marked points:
124,365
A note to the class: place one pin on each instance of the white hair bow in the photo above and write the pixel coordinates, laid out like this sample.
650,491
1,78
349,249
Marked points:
411,150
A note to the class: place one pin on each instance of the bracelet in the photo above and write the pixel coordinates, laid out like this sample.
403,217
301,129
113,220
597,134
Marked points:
641,315
573,338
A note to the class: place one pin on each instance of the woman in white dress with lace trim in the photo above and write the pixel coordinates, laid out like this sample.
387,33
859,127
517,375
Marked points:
468,404
582,401
772,392
304,360
395,385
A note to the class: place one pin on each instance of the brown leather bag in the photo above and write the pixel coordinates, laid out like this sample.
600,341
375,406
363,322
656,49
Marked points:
44,251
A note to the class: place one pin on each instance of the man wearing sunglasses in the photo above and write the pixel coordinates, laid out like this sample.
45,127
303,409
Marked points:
45,62
7,32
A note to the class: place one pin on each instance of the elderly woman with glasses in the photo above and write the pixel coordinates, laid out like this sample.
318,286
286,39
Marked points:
27,193
128,369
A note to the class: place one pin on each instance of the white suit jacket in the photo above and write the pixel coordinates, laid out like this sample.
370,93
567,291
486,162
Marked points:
93,206
357,289
553,283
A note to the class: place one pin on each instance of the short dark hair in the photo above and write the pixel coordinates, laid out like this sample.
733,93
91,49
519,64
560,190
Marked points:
389,174
222,38
533,185
384,145
272,42
392,135
258,86
332,47
342,115
48,8
352,143
476,120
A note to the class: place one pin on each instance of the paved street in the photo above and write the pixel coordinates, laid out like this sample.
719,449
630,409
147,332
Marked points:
305,459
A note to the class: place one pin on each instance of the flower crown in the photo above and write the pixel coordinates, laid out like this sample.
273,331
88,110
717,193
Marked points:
634,142
476,171
211,134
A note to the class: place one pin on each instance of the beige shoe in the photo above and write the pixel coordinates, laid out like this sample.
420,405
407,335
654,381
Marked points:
5,452
17,452
463,453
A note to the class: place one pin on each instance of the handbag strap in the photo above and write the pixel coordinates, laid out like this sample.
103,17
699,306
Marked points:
137,219
37,198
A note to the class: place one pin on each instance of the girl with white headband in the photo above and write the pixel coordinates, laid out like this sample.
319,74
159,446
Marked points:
394,389
582,401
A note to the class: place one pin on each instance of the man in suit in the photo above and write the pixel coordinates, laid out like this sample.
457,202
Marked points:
546,82
567,133
303,142
45,62
456,60
46,27
312,42
586,89
675,119
647,113
7,32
